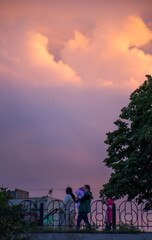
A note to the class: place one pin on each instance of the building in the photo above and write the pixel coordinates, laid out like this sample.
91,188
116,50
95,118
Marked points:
19,194
33,205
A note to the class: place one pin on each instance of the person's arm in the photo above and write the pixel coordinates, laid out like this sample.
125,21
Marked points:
85,197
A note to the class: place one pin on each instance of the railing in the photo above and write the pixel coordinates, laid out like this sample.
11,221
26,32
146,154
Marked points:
31,211
56,217
129,211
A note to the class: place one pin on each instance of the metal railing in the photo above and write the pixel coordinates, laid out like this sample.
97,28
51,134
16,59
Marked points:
126,212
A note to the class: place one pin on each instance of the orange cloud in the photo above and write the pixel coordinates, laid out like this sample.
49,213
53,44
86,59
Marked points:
112,56
131,32
79,42
29,58
40,57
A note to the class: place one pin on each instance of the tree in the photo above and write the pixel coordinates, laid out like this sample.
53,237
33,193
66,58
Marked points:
12,223
130,149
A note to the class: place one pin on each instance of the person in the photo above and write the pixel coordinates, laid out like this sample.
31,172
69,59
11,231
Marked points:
67,209
80,194
108,217
85,207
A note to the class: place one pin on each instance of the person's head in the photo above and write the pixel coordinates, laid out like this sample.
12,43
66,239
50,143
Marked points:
110,201
86,188
69,191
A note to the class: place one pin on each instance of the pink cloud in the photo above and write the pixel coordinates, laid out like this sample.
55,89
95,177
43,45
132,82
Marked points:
112,56
29,54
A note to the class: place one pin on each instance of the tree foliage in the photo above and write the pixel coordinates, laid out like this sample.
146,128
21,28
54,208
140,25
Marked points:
130,149
12,223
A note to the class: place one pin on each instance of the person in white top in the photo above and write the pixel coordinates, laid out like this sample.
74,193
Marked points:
67,209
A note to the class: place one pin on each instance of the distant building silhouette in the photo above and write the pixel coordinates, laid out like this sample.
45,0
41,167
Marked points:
18,193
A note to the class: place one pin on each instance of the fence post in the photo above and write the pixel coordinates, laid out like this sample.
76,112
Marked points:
114,216
35,206
41,214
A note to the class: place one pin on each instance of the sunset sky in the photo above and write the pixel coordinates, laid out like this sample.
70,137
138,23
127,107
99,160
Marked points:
66,70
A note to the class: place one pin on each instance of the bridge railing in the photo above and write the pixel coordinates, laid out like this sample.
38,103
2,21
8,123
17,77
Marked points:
56,215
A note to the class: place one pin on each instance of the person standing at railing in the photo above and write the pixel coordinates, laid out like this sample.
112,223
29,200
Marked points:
67,209
85,207
108,217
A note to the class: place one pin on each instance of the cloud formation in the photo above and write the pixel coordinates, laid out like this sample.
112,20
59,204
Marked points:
30,55
113,55
65,73
84,61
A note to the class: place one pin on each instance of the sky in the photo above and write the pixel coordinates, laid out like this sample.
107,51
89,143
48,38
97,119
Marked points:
67,68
